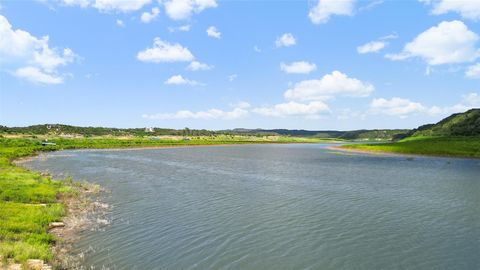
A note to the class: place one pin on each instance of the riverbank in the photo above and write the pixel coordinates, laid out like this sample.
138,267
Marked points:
463,147
30,202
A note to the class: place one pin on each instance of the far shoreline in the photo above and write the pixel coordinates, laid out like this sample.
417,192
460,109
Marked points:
394,154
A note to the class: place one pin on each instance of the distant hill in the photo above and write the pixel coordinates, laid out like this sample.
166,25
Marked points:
459,124
59,129
376,134
286,132
101,131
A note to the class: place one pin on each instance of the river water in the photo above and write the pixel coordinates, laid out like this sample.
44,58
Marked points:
295,206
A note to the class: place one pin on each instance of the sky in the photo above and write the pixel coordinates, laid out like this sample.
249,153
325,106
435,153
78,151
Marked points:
317,65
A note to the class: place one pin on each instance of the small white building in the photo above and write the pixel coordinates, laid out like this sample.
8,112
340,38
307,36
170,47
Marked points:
149,129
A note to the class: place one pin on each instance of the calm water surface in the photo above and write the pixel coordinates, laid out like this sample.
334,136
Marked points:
278,207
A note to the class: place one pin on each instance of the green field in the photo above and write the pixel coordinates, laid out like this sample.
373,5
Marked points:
436,146
30,201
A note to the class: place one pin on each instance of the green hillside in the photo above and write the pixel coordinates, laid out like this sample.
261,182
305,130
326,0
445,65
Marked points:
459,124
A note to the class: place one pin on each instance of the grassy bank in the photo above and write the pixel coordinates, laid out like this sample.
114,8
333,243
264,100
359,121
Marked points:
30,201
434,146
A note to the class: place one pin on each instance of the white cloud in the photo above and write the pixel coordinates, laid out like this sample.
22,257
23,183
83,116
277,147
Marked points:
376,45
117,5
389,36
311,109
181,28
211,114
30,57
473,72
150,16
241,105
330,85
213,32
468,9
183,9
324,9
257,49
35,75
371,47
179,80
371,5
232,77
300,67
120,23
195,65
469,101
396,107
163,51
448,43
285,40
80,3
403,108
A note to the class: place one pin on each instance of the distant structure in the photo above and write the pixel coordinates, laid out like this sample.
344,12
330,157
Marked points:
149,129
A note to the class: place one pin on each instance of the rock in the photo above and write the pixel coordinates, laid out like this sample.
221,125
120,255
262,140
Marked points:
15,266
100,205
56,225
35,264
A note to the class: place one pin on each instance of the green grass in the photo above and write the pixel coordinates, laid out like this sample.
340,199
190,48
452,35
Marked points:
436,146
23,218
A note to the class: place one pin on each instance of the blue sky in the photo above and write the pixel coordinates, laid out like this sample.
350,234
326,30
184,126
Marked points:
328,64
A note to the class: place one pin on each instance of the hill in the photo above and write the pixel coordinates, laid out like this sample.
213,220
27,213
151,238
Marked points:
457,135
459,124
59,129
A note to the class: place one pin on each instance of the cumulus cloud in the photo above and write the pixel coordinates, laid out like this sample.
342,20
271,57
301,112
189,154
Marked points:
447,43
468,9
300,67
330,85
31,58
179,80
396,107
285,40
468,101
211,114
371,47
311,109
195,65
35,75
232,77
324,9
163,52
109,5
473,72
213,32
183,9
401,107
150,16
